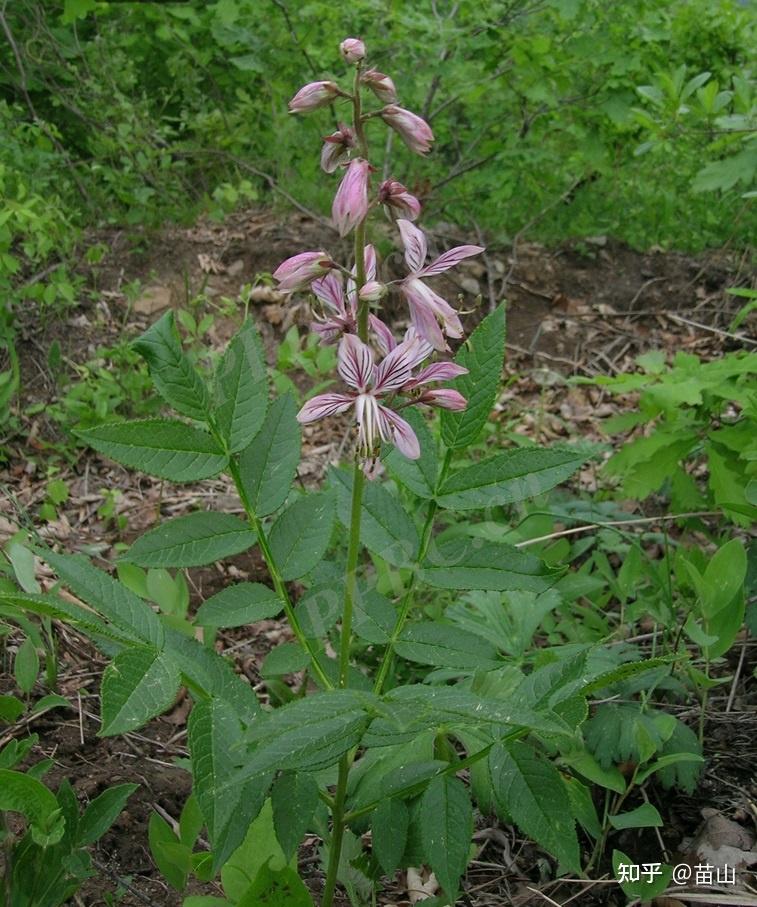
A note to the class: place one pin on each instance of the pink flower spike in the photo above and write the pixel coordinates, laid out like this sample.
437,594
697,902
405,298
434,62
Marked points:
352,49
336,148
450,259
412,129
314,95
414,241
381,85
444,397
298,272
324,405
395,197
355,362
402,433
351,201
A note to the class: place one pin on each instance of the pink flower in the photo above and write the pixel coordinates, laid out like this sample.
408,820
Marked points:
314,95
432,316
412,129
336,148
352,49
298,272
381,85
394,195
351,200
368,384
340,307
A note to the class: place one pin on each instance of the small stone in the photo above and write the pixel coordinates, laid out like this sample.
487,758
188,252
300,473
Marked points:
235,268
154,299
471,285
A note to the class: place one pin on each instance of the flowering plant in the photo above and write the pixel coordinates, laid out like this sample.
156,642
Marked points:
401,722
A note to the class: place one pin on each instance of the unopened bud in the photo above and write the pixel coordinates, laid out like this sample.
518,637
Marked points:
412,129
372,291
314,95
394,195
352,49
381,85
336,148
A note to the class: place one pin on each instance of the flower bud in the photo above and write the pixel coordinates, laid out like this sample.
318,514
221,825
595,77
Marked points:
297,272
412,129
314,95
351,200
381,85
336,148
372,291
394,195
352,49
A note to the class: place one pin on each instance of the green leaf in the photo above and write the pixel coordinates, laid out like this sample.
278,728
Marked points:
683,774
446,817
172,858
21,793
515,475
269,463
319,609
644,816
417,475
276,888
137,685
22,562
240,391
294,798
585,764
389,824
191,822
301,534
26,666
285,658
446,646
238,605
583,807
724,577
374,617
528,789
259,848
215,744
193,540
159,447
77,9
173,374
462,563
483,355
112,599
11,708
102,812
386,529
665,762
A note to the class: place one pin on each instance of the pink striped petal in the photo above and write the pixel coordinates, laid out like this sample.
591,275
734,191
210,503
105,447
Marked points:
370,263
396,369
450,259
324,405
444,397
437,371
414,242
382,335
404,437
330,291
355,362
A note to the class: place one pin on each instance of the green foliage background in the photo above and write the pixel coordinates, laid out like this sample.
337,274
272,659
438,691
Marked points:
142,112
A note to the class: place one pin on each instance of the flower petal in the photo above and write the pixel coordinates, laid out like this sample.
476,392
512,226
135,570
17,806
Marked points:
450,259
414,242
437,371
396,368
330,291
404,437
355,362
383,336
324,405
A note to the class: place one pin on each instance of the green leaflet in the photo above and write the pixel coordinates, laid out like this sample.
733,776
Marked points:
269,462
644,816
483,355
172,372
21,793
240,389
417,475
215,744
160,447
193,540
54,606
235,606
294,798
285,658
446,817
385,527
446,646
276,888
126,611
374,617
389,824
137,685
512,476
301,534
102,812
463,563
528,789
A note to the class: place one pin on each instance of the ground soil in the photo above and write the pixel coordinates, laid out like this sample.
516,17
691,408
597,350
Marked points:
584,308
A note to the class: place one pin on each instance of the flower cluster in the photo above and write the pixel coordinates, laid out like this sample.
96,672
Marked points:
376,392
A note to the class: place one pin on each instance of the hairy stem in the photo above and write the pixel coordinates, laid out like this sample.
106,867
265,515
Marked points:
353,550
407,600
278,581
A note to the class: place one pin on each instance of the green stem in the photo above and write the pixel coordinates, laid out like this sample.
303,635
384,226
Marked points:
407,601
278,581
